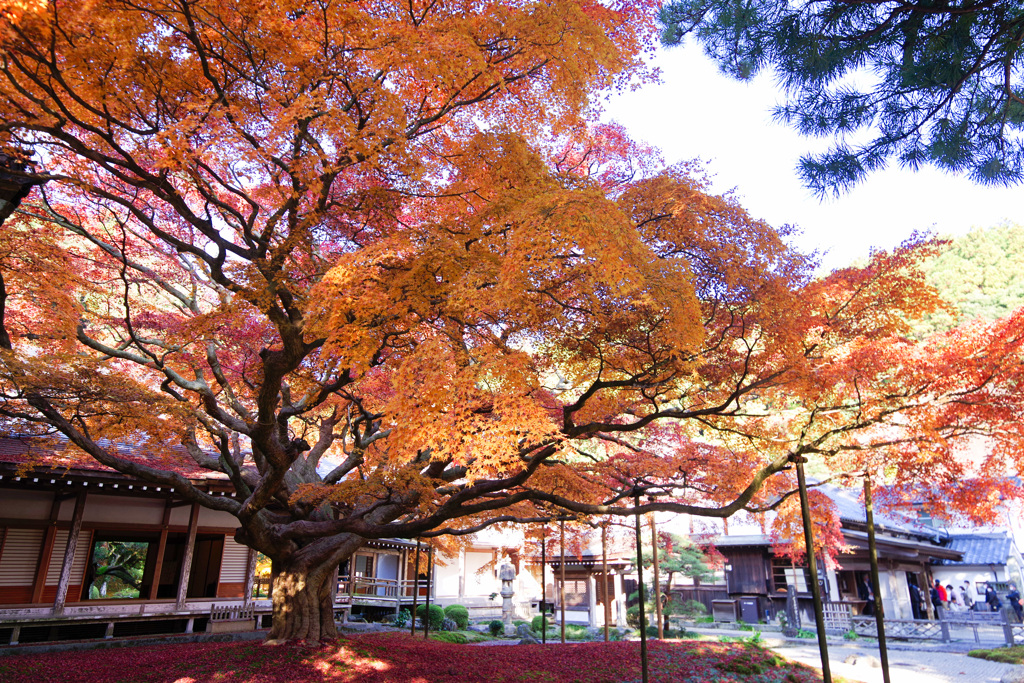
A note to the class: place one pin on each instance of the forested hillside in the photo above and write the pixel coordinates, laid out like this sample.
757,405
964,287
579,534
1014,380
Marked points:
980,273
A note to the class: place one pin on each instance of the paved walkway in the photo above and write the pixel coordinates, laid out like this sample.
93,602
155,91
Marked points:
905,666
909,661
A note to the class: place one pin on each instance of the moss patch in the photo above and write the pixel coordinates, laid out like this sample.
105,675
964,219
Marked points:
1006,655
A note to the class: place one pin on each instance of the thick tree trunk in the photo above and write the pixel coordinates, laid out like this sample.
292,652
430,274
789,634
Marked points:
303,608
301,588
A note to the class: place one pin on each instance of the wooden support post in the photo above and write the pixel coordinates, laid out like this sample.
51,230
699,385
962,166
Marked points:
561,561
883,651
430,577
657,580
812,566
604,579
640,582
250,578
161,548
110,631
46,551
186,561
69,555
415,585
543,587
15,634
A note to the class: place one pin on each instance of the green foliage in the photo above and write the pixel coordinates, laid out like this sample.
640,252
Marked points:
535,624
749,664
633,616
576,632
450,637
459,614
676,555
851,635
804,633
496,627
436,615
1007,655
945,86
117,568
402,618
692,609
980,274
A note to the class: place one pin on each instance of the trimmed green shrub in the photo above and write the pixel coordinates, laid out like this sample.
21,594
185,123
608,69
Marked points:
692,609
436,615
497,627
535,624
633,616
450,637
459,614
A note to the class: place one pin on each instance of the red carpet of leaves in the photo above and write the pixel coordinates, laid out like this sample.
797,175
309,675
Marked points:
398,658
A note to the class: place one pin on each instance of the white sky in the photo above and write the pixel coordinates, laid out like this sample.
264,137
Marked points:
695,112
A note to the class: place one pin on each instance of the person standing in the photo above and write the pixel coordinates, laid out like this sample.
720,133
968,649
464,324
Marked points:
954,602
865,593
915,600
967,595
936,598
1013,597
992,599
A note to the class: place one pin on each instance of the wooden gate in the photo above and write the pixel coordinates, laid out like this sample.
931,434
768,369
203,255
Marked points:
838,617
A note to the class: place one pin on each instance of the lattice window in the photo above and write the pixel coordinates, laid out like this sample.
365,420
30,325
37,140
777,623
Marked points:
785,573
599,588
576,593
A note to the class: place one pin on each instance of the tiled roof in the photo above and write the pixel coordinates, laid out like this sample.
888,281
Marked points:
850,504
54,452
981,548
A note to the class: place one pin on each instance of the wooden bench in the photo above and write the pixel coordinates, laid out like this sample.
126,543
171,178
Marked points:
231,618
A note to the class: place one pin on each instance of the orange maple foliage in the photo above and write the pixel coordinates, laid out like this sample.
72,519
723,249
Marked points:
374,263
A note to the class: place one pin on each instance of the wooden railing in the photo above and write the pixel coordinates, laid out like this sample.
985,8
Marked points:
381,589
941,629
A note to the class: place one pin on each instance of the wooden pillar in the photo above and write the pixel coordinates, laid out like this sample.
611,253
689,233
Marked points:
604,579
657,580
161,547
640,586
561,589
430,588
46,551
250,578
186,561
543,587
876,584
69,555
819,615
415,585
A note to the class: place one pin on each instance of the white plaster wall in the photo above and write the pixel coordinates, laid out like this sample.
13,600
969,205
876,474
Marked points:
956,576
480,584
446,576
214,518
123,510
25,504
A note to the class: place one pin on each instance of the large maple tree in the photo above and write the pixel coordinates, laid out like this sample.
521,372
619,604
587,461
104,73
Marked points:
374,263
